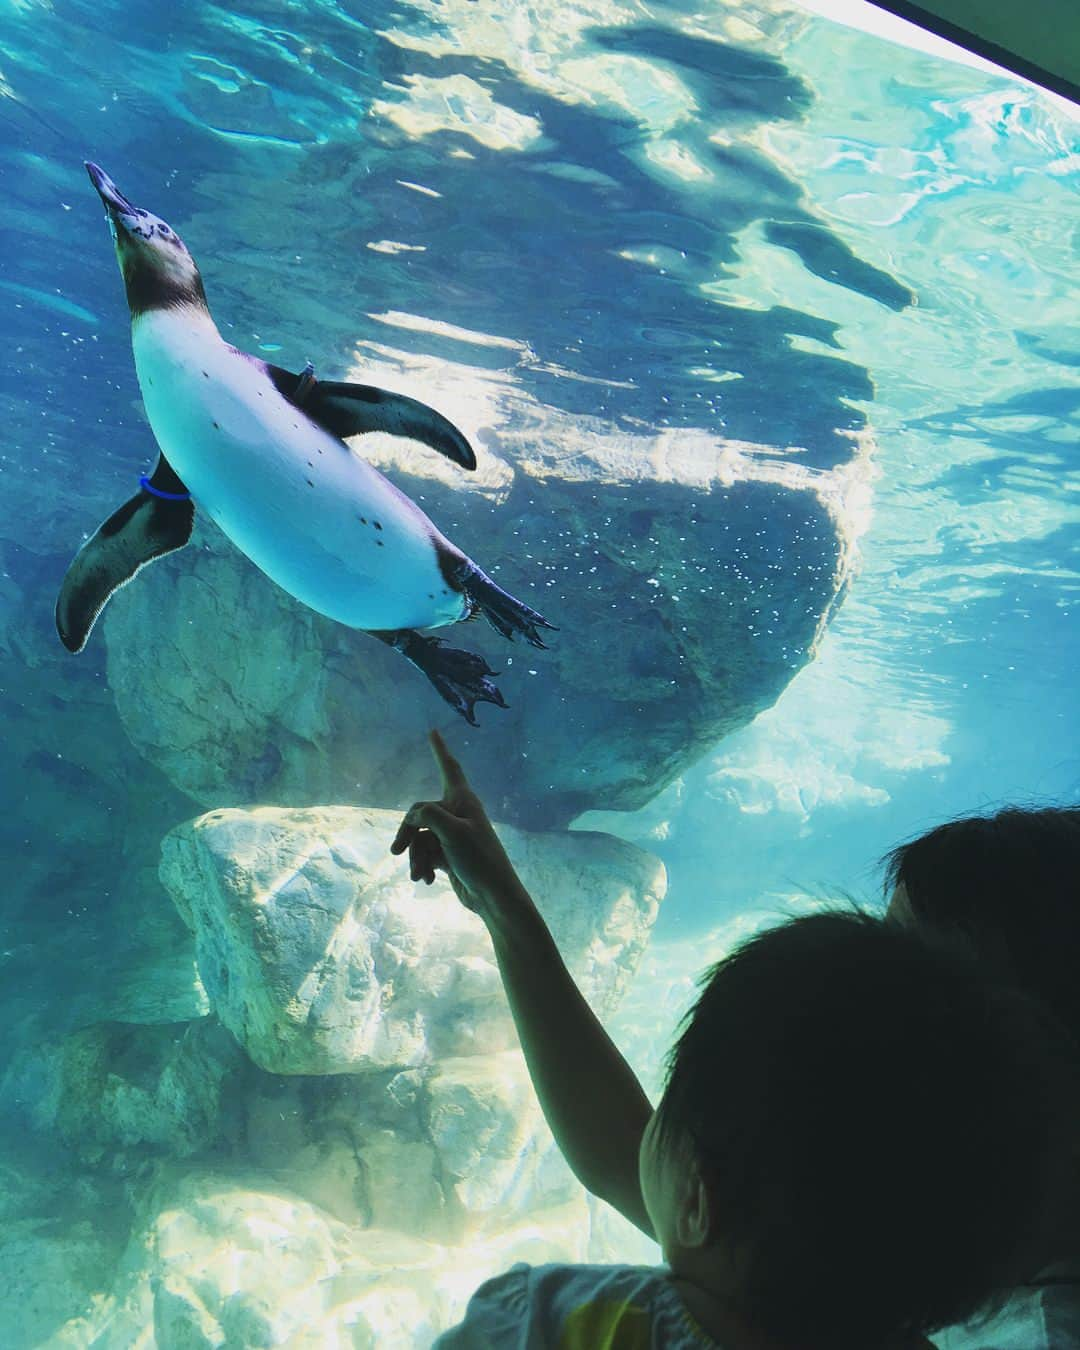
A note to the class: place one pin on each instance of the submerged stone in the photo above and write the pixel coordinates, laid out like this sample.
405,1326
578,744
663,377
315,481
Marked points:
690,579
120,1094
320,955
221,1261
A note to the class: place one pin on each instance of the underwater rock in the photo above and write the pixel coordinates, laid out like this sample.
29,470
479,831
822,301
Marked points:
690,578
321,956
444,1153
62,1233
496,1153
295,1275
365,1207
83,812
119,1095
48,1273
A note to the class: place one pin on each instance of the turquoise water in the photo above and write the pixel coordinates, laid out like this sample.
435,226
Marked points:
765,332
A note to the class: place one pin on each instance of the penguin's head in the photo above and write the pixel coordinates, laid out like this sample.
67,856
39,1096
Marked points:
158,271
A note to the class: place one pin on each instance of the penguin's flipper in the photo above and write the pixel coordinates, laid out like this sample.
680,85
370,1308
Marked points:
353,409
460,677
146,527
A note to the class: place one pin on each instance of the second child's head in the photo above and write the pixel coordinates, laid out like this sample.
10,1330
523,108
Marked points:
1010,881
860,1134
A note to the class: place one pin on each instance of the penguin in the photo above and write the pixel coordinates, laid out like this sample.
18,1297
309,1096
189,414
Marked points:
261,450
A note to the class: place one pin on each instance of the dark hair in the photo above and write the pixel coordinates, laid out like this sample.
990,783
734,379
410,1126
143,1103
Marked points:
877,1122
1012,882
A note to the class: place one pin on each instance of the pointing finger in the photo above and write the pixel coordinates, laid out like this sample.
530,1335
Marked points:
453,775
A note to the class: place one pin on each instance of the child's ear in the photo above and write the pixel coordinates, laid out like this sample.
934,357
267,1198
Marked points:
692,1222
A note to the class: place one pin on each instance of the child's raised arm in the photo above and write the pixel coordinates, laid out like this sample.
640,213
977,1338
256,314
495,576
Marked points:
591,1099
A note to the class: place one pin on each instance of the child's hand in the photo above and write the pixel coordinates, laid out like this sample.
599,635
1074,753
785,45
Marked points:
455,835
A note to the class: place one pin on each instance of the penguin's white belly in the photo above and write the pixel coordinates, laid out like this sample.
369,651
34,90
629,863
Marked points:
317,519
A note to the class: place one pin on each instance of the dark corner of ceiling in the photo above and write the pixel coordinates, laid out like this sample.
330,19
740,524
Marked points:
1037,39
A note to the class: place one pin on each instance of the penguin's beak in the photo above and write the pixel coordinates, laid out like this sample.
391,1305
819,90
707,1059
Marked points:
115,202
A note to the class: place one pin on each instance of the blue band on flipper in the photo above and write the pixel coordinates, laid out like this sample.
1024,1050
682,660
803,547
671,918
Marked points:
165,496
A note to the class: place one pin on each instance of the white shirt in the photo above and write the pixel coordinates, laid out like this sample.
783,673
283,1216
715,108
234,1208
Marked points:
1044,1315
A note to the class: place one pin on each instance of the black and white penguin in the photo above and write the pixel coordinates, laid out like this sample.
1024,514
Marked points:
261,451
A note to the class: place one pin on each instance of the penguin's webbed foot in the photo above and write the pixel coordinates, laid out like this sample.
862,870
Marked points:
506,614
461,677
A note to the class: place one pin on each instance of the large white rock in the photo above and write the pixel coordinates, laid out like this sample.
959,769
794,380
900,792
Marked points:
321,956
352,1210
448,1152
224,1262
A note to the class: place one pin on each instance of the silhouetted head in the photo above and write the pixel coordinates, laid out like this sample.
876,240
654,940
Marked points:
862,1134
1010,882
158,271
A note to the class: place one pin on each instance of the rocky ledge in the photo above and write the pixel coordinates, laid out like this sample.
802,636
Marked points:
690,579
348,1142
